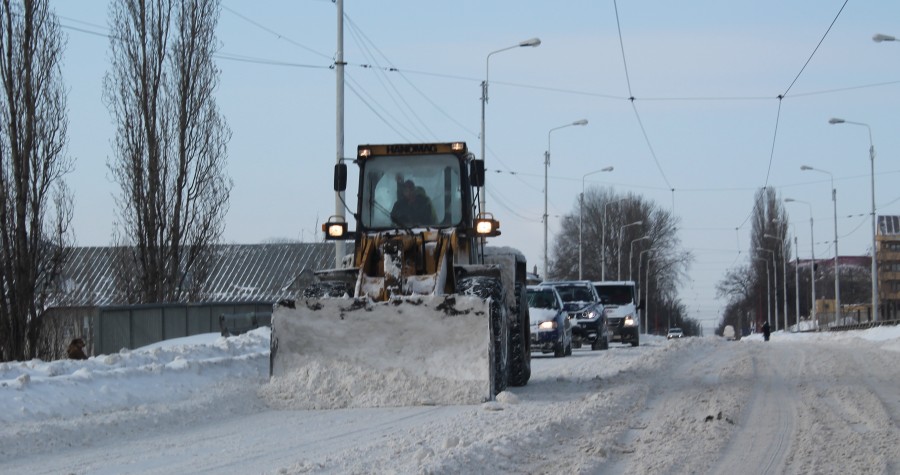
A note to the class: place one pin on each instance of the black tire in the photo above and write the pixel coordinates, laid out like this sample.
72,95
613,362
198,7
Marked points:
488,287
519,340
604,343
559,351
273,350
595,345
569,350
635,341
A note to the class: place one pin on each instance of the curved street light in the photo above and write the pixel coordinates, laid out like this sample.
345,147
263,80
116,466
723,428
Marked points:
768,289
546,166
783,275
878,38
640,288
619,254
812,264
837,269
533,42
631,254
774,271
835,120
581,214
603,238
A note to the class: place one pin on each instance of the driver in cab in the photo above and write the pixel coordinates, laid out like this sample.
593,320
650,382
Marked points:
413,207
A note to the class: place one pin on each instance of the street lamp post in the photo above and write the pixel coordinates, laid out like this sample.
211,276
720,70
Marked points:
834,120
581,215
647,296
837,269
797,285
640,287
774,271
768,290
783,274
619,254
812,265
603,239
631,254
546,166
533,42
878,38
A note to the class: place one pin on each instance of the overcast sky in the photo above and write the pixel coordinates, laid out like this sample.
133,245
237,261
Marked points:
706,119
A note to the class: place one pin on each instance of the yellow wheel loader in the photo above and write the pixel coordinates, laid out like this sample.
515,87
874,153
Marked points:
421,300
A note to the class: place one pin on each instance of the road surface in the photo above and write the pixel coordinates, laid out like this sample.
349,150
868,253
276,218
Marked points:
695,405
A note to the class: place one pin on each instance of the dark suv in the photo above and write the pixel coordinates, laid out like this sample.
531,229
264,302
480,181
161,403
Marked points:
581,302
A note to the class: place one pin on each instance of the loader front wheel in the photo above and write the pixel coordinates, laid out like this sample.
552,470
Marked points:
490,287
520,340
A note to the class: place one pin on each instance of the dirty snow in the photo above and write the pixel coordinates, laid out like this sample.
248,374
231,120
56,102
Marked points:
804,403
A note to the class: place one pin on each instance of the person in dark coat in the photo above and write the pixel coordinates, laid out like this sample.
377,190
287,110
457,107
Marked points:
413,207
766,331
76,350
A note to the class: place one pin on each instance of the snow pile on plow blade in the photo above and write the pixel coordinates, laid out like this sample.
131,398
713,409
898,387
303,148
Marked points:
418,350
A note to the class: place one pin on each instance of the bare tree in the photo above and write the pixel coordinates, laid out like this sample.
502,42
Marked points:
170,146
35,205
607,220
604,223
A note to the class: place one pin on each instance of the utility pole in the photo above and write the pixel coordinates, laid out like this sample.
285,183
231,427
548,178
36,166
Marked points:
339,114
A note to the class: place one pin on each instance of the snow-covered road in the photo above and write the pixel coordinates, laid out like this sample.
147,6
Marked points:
810,403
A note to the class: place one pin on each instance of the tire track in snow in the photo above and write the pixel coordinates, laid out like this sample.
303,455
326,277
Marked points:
768,420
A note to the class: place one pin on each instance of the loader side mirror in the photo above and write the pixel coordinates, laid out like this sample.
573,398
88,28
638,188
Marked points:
340,177
476,173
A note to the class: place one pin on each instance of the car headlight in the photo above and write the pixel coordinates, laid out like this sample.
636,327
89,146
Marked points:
629,321
547,325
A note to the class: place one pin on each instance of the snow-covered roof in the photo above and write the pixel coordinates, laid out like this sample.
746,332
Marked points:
242,273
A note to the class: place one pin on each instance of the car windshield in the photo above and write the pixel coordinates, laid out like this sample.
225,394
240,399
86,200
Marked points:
430,182
542,298
575,293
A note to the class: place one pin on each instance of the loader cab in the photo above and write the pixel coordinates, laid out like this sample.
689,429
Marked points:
411,186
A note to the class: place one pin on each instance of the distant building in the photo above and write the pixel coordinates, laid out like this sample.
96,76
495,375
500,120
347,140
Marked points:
888,259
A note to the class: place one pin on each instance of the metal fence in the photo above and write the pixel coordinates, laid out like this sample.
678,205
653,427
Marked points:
115,328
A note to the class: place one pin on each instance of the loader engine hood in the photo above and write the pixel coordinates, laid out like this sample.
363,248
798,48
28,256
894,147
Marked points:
404,263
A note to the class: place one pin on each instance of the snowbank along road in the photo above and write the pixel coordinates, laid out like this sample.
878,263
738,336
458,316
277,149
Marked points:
797,404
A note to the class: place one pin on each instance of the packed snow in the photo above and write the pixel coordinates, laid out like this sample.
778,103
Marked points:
801,403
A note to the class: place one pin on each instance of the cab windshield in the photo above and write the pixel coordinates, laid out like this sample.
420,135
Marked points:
411,191
616,294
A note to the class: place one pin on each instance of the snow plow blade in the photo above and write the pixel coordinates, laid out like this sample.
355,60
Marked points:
354,352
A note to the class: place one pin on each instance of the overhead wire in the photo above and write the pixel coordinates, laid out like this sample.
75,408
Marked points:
780,98
631,98
404,72
275,33
366,45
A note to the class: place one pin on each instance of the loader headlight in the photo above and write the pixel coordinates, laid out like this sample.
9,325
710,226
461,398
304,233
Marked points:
629,321
487,226
335,228
549,325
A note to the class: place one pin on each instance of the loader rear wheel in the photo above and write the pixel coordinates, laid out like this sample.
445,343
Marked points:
519,340
489,287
